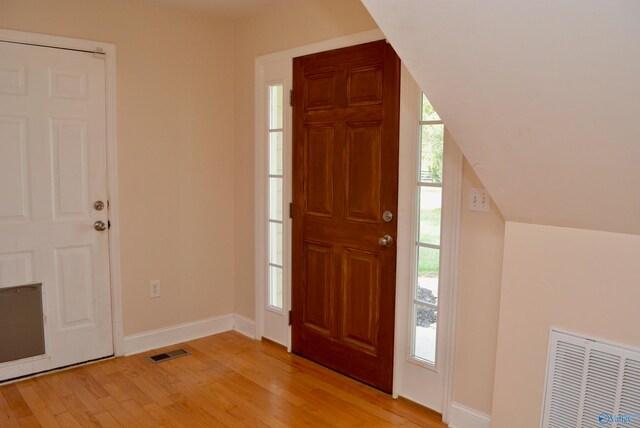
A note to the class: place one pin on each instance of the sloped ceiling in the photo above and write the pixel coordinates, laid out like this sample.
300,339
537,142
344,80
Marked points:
542,96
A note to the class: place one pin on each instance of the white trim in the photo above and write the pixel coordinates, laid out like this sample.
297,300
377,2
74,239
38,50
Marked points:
325,45
260,153
112,159
408,373
463,417
244,326
167,336
53,41
260,191
454,159
114,204
409,96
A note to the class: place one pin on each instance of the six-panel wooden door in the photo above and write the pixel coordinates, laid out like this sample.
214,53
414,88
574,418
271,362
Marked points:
345,177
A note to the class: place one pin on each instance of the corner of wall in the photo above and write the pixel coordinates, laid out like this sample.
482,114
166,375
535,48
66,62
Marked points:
244,326
463,417
159,338
480,281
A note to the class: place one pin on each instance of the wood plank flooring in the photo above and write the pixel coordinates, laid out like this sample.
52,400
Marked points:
229,380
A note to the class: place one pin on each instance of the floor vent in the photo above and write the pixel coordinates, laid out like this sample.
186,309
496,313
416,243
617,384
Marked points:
591,383
171,355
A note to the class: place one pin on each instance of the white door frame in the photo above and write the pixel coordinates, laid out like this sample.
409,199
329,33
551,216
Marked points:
109,51
408,145
408,374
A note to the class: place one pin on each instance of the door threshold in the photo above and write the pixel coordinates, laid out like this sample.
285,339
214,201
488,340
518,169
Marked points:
51,371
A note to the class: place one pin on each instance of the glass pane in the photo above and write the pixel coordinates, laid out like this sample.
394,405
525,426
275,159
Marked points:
431,149
276,155
275,243
430,214
275,106
428,269
275,199
425,334
275,287
428,112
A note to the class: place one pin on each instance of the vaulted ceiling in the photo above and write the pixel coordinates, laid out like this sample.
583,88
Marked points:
543,97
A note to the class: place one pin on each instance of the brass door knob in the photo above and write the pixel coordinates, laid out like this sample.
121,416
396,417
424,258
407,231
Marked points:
385,241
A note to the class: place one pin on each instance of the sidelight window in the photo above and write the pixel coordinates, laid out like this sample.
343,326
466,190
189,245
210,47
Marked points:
275,192
429,197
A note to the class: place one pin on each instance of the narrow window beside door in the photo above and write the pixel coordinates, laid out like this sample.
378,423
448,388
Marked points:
276,207
429,194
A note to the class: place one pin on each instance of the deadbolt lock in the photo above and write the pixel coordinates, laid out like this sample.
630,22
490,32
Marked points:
387,216
98,205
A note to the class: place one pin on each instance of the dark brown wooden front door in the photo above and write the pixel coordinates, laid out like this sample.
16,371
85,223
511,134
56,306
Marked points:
345,171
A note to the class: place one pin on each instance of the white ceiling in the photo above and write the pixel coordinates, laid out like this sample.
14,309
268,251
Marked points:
542,96
223,8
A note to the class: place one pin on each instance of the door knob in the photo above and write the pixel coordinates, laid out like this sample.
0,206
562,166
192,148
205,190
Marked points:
385,241
100,226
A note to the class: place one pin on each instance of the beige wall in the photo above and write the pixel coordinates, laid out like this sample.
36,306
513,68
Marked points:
481,246
175,142
186,209
576,280
283,26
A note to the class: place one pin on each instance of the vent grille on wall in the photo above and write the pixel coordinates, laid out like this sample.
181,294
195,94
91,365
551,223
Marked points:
591,384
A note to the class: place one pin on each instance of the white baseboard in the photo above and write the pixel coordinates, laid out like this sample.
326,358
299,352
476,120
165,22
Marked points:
463,417
244,326
159,338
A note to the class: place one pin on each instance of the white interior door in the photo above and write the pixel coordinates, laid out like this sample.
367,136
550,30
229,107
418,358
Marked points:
52,171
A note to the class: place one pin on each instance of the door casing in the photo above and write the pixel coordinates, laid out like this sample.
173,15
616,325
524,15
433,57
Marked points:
404,206
109,50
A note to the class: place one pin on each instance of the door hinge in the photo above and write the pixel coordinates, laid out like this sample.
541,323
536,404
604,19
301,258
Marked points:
290,209
291,97
290,317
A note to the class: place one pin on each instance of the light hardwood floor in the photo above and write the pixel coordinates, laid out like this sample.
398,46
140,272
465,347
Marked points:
229,380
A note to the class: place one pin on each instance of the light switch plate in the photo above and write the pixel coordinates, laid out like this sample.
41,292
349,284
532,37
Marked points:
479,200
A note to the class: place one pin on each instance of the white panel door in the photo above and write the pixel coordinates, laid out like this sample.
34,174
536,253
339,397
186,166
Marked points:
52,170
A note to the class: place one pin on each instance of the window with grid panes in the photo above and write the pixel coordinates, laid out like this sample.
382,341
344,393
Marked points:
275,191
429,197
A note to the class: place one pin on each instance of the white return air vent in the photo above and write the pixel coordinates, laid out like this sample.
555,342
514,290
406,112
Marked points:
591,383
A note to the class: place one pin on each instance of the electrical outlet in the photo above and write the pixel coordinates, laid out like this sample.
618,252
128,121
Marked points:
154,288
479,200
